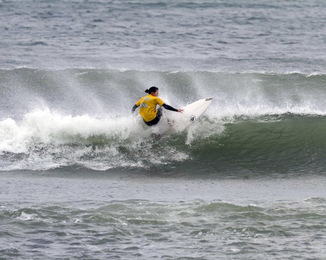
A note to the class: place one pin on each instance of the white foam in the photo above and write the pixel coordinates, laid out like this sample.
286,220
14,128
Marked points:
47,127
26,217
48,140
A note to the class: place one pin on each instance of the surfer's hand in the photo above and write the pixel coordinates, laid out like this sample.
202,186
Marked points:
180,110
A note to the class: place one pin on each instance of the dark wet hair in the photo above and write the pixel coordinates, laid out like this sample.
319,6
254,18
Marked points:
151,90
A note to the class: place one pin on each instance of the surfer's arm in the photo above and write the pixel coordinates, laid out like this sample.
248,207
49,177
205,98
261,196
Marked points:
134,108
171,108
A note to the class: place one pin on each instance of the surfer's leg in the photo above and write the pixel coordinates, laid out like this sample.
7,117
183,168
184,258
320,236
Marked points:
159,113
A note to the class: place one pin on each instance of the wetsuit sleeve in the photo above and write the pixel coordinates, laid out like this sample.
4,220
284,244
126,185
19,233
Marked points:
169,107
134,108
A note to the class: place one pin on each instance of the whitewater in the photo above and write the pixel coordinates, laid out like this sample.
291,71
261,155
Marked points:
263,113
83,178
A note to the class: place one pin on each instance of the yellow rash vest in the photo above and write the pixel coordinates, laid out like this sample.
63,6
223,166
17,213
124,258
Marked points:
147,106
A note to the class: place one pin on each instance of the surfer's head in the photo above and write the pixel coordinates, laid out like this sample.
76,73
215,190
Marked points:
153,91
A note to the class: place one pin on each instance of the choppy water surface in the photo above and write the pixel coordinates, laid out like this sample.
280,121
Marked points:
82,178
142,217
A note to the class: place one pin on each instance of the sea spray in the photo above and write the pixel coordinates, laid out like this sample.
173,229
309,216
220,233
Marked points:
82,118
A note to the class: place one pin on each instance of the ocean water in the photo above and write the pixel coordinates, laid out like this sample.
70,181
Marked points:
82,178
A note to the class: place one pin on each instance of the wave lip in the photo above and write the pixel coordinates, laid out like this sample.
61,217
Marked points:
100,91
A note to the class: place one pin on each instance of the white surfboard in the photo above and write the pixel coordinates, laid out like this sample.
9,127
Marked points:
174,122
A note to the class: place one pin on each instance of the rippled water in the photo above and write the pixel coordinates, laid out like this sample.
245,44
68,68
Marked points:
83,178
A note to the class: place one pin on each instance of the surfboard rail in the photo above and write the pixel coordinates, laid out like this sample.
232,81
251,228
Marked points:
181,121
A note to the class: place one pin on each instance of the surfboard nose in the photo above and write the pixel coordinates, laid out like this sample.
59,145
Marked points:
208,99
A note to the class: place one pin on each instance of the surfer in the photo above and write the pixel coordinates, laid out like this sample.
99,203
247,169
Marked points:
147,104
